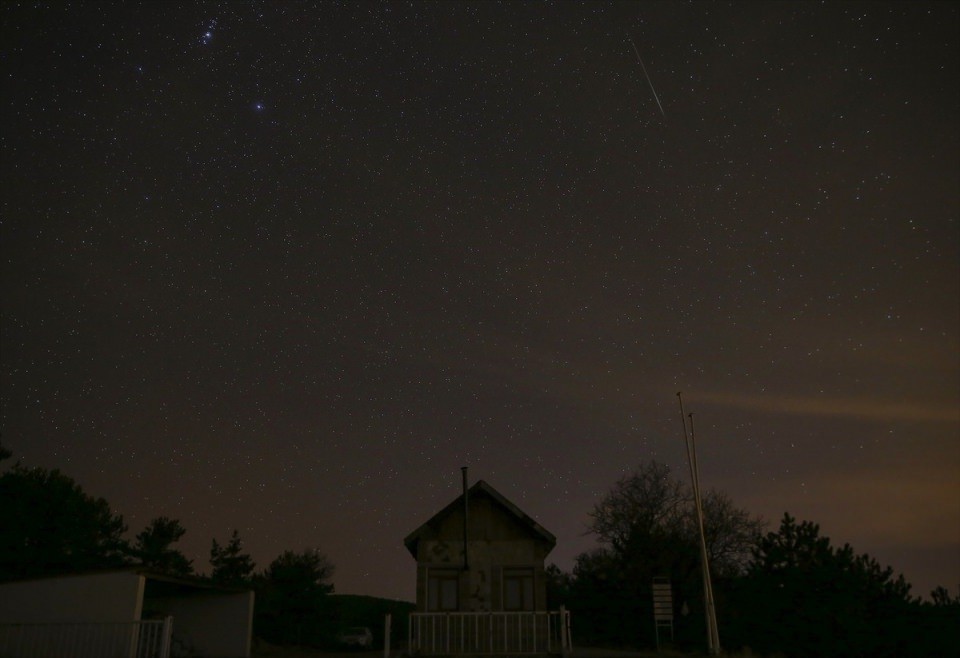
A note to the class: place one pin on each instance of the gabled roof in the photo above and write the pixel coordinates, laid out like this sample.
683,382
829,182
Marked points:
481,487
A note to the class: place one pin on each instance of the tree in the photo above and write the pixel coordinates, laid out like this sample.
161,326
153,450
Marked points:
645,501
938,623
292,597
231,567
305,573
153,547
604,590
558,584
805,597
731,533
646,527
941,597
50,525
649,504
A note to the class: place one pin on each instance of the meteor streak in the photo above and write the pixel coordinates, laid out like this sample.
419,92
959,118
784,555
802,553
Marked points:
647,75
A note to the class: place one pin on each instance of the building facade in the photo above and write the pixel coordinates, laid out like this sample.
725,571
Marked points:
502,567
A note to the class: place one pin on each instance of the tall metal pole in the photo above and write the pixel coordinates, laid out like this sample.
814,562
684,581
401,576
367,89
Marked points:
466,509
707,580
713,634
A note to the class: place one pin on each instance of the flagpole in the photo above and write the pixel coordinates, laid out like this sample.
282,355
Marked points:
713,634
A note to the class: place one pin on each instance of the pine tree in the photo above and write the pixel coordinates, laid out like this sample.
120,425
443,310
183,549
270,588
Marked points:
231,567
153,549
49,525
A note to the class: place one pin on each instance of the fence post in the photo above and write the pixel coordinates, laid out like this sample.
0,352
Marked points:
167,634
533,625
386,635
490,631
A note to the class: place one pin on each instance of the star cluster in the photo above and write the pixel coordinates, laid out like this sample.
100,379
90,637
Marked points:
284,267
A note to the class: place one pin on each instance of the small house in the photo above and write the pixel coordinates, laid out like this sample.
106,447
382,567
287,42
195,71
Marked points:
483,554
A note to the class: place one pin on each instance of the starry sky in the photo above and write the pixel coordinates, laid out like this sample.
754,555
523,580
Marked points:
285,267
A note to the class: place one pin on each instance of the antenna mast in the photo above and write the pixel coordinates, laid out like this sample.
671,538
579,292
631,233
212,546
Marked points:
713,634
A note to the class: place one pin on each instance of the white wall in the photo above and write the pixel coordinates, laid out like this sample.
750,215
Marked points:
103,597
213,624
216,624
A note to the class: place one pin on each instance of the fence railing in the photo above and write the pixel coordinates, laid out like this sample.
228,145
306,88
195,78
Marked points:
137,639
490,632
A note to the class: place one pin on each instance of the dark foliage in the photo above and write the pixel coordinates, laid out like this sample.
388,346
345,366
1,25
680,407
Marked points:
935,627
650,506
293,605
647,529
940,597
50,526
803,597
559,584
153,547
231,567
788,592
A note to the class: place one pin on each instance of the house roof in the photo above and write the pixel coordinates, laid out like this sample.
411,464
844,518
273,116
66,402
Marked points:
481,487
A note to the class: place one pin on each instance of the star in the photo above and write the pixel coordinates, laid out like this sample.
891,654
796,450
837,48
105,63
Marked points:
208,33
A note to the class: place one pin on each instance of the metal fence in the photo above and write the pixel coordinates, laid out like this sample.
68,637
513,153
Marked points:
490,632
137,639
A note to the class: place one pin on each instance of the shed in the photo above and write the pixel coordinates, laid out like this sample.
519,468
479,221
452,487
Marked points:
121,610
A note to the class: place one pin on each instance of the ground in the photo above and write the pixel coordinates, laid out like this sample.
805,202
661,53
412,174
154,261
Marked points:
267,651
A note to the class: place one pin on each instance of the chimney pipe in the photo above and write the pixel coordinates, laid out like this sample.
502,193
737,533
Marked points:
466,507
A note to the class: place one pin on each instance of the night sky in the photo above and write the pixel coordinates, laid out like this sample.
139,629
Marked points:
286,267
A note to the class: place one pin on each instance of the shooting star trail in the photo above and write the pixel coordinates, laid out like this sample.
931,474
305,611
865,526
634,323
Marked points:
647,75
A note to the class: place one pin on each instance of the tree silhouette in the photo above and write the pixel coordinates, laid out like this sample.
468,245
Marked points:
941,597
807,598
153,547
649,505
292,598
646,527
48,525
231,567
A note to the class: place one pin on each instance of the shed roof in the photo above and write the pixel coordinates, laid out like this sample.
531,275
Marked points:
191,582
481,487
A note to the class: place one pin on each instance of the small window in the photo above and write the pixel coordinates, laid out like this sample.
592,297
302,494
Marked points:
442,591
518,589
